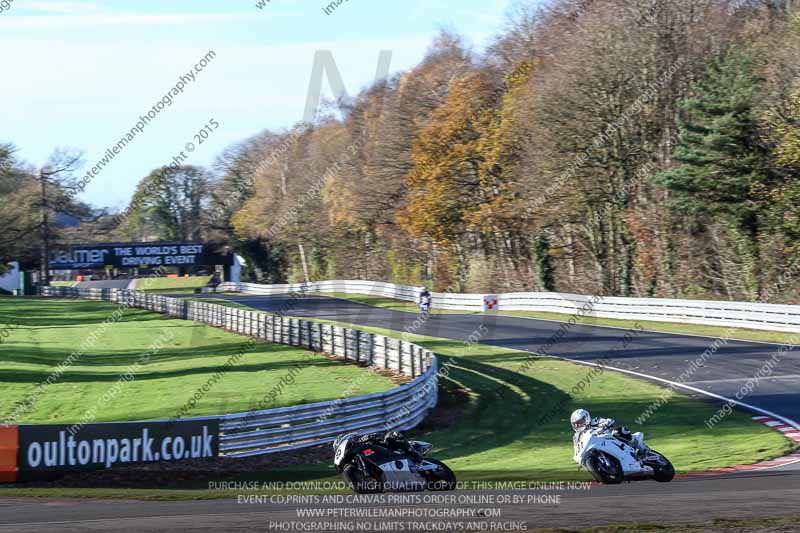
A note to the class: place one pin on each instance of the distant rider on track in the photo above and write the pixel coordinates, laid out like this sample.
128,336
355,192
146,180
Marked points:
425,301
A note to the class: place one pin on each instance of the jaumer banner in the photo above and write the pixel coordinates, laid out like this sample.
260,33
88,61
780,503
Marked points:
142,255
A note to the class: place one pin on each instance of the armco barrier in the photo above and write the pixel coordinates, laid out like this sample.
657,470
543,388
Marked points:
272,430
772,317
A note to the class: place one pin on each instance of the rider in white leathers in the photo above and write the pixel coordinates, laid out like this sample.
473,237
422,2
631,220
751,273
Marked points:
581,421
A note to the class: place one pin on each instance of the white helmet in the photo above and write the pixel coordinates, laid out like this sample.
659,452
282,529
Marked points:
580,419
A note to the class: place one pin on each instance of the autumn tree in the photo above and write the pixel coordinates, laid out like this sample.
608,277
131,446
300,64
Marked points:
783,130
530,165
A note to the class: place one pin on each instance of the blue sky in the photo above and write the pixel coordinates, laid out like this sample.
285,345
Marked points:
79,73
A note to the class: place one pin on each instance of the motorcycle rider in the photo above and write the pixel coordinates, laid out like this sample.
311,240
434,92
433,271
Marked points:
393,440
581,421
424,299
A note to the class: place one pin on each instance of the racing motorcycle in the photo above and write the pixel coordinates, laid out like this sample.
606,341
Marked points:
425,305
612,459
370,467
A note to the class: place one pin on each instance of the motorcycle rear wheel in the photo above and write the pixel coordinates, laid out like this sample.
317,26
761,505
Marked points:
605,469
360,483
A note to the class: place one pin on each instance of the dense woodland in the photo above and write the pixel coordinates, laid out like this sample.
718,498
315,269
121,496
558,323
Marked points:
614,147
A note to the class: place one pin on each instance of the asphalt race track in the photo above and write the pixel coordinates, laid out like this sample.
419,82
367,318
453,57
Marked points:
765,493
693,500
662,355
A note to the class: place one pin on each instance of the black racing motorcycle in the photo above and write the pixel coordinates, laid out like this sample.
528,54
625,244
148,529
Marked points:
370,467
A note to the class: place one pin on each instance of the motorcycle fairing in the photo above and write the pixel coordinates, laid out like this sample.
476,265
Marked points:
604,442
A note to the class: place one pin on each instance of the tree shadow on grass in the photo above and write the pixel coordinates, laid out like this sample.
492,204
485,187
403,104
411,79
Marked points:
122,357
509,408
505,407
73,376
42,312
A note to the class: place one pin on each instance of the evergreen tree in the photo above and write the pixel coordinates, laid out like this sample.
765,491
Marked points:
724,166
545,270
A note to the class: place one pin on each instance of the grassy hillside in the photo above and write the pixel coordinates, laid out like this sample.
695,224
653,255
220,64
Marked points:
163,379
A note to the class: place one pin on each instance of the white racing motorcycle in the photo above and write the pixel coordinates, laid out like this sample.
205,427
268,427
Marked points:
611,459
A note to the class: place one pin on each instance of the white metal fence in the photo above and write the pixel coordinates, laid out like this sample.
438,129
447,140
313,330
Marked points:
773,317
272,430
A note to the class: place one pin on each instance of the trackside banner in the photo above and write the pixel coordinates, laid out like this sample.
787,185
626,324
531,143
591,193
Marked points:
52,450
142,255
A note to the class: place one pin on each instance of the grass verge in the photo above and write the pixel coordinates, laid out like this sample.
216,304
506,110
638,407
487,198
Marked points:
63,283
172,284
51,329
388,303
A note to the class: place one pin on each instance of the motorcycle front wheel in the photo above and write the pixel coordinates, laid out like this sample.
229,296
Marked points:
445,478
359,482
663,471
604,469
